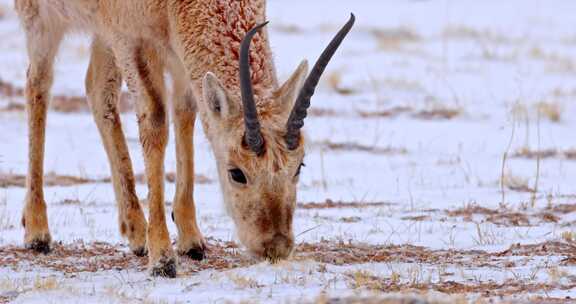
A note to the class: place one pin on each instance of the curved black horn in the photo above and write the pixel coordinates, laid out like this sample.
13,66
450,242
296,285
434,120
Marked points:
299,112
252,137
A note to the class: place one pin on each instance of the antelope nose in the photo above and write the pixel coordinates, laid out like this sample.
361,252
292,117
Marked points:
277,248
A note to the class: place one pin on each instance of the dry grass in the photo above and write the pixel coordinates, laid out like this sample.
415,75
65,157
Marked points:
400,299
243,282
486,289
555,63
324,112
439,113
388,113
434,111
52,179
517,183
393,39
528,153
334,81
562,208
400,84
355,147
462,32
550,110
510,218
99,256
288,28
59,103
330,204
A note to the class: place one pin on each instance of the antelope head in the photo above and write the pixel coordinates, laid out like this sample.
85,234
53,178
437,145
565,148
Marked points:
259,149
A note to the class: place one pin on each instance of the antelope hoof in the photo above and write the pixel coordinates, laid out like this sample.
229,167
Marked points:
165,267
195,250
140,251
39,245
197,254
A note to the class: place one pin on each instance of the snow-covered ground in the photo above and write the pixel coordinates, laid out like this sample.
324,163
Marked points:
442,161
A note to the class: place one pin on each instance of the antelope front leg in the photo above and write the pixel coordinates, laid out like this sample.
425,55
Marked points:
42,43
145,73
103,84
190,240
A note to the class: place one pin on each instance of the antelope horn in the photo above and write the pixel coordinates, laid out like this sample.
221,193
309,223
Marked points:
252,137
299,112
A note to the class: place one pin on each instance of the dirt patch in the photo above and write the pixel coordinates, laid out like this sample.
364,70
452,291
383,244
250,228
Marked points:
355,147
394,38
542,249
334,81
437,113
378,300
547,153
510,218
330,204
52,179
59,103
424,298
389,113
418,218
486,289
324,112
78,257
349,253
469,210
98,256
563,208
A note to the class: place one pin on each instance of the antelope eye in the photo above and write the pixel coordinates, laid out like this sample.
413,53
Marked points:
299,169
238,176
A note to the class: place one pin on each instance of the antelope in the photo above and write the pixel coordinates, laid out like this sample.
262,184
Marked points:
220,63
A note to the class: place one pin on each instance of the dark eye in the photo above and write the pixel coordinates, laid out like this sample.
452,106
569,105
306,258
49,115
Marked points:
299,169
238,176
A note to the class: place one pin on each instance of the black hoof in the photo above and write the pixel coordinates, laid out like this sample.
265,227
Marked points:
39,246
141,252
165,268
197,254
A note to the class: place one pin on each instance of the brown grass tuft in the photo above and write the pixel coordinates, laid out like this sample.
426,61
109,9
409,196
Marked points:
52,179
330,204
334,81
59,103
435,112
394,38
355,147
551,110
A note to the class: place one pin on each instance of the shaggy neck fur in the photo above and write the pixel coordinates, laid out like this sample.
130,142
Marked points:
211,41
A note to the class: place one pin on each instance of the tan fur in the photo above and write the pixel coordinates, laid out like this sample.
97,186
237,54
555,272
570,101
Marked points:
136,41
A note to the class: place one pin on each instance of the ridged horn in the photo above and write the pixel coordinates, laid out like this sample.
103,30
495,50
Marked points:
252,136
300,110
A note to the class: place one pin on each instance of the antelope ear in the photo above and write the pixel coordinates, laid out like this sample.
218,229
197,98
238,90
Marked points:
216,98
286,95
